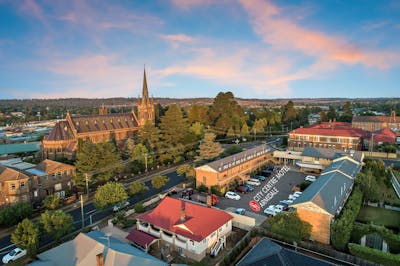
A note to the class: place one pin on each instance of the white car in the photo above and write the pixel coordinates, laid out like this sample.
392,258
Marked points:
310,178
120,206
270,210
253,182
14,255
288,202
232,195
298,193
293,196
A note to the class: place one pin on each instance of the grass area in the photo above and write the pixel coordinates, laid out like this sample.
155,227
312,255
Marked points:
379,216
388,195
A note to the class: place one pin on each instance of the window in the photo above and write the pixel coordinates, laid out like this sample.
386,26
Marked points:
12,186
58,186
22,185
35,193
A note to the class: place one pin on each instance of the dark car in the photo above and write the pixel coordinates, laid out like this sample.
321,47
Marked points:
187,193
241,189
249,187
260,177
265,173
270,168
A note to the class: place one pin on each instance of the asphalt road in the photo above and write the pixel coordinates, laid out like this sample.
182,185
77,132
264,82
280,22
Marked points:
91,215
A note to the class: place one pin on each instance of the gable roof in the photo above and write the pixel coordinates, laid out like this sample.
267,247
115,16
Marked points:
266,252
381,119
61,131
49,166
331,189
236,159
8,174
83,250
199,221
334,132
94,123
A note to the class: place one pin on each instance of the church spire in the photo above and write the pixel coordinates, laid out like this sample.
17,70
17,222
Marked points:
145,92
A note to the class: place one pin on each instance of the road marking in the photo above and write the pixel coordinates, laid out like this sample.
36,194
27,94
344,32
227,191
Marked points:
92,211
7,247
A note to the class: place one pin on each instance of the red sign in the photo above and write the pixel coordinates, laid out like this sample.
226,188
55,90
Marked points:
254,206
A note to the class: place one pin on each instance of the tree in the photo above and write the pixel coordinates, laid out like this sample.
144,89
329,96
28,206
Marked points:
331,115
101,158
187,170
149,135
140,158
347,115
245,130
290,226
258,126
56,223
324,117
16,213
159,181
26,236
109,194
137,188
209,149
288,112
198,113
230,133
197,129
368,184
52,202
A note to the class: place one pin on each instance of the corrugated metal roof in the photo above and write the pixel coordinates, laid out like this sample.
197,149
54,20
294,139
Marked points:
20,147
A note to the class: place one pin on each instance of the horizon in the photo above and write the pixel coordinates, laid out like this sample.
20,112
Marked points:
260,50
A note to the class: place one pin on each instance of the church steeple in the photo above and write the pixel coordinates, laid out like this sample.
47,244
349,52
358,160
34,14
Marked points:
145,105
145,92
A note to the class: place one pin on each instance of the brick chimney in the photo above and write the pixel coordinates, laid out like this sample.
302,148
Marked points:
99,259
183,213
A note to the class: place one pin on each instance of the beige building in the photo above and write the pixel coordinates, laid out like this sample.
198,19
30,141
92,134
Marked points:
14,186
373,123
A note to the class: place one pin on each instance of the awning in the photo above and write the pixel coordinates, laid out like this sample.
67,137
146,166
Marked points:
141,238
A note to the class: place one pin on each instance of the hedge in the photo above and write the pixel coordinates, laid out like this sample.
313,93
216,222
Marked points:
374,255
393,240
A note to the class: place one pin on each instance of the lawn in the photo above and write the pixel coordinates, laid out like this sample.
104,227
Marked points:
379,216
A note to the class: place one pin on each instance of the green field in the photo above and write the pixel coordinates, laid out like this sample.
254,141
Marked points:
379,216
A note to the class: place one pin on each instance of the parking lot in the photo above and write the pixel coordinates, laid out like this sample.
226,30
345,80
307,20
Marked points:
282,188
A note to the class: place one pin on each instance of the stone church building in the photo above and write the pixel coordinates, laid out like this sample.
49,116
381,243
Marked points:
62,142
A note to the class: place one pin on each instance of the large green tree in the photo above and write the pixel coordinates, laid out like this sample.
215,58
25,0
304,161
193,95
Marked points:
149,135
100,161
26,236
198,113
209,148
56,223
288,112
109,194
347,115
159,181
332,115
225,112
14,214
258,126
140,157
290,226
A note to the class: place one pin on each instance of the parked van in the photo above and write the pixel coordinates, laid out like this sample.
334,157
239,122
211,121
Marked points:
253,182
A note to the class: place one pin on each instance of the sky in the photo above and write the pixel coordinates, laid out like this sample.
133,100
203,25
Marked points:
197,48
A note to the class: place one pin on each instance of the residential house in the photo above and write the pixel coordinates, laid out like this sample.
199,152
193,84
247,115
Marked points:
324,199
14,186
373,123
190,229
97,249
235,167
267,252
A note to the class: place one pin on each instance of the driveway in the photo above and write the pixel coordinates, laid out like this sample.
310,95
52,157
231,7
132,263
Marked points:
281,189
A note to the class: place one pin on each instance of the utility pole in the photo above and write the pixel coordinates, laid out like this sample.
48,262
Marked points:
82,213
87,184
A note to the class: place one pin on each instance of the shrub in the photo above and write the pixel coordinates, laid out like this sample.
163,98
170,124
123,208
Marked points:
139,208
202,188
374,255
304,185
217,190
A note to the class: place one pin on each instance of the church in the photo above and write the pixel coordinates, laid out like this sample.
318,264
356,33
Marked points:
62,142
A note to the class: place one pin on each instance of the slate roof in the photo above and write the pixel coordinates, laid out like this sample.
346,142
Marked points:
94,123
61,131
330,153
83,249
331,189
334,132
238,158
199,223
266,252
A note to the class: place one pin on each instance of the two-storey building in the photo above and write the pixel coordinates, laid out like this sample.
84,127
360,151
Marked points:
14,186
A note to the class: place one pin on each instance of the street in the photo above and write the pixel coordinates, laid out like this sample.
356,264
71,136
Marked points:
91,215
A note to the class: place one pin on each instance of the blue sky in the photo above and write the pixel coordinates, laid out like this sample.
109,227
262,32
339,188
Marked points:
197,48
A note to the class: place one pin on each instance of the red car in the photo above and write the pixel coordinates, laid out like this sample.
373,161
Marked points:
241,189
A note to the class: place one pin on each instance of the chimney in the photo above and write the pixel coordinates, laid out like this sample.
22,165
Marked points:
99,259
183,213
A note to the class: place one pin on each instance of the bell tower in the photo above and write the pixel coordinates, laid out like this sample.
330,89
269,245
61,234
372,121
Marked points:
145,105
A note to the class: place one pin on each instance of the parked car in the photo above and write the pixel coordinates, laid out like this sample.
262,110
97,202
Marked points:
253,182
310,178
14,254
120,206
260,177
240,211
249,187
172,192
241,189
279,208
270,168
266,173
187,193
293,196
232,195
287,202
298,193
270,210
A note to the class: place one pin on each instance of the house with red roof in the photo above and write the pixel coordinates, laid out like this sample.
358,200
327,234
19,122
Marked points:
191,229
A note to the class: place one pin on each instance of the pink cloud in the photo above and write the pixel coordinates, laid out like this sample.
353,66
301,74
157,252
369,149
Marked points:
175,40
270,23
31,8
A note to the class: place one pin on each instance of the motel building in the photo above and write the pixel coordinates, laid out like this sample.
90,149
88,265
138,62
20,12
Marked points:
235,167
192,230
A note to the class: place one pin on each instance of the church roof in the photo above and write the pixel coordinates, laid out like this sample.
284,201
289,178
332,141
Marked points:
95,123
61,131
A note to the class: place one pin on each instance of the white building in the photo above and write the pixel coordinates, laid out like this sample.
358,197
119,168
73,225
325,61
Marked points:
191,229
